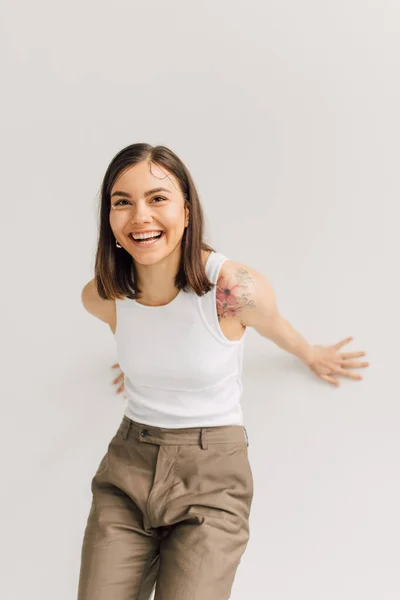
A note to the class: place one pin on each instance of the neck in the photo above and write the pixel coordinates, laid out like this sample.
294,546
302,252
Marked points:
157,280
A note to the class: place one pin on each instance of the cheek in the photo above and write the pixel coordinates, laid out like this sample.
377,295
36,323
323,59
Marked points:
117,222
174,217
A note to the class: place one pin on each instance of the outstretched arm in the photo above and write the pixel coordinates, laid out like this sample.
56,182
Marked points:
249,294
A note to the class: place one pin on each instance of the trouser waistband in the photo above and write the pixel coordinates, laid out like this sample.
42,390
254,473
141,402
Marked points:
201,436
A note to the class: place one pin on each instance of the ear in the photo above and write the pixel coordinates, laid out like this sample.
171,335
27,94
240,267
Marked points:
187,211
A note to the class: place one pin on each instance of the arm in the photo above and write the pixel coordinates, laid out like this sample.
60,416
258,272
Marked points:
263,315
97,306
249,295
105,311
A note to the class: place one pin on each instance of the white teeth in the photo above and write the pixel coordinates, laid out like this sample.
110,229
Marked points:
144,236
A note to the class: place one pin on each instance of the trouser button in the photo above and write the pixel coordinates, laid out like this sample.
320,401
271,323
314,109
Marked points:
144,432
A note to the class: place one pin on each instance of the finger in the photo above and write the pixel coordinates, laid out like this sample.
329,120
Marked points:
121,376
346,355
343,342
354,375
354,365
347,373
331,380
115,366
120,389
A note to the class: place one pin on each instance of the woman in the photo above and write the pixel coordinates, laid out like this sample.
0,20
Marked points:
172,495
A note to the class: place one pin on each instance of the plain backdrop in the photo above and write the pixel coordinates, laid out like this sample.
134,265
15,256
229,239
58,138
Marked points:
286,113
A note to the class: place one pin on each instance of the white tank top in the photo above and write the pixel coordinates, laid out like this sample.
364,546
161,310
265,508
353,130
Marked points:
180,370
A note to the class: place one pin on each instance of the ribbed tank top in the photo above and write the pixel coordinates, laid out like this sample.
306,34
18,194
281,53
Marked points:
180,370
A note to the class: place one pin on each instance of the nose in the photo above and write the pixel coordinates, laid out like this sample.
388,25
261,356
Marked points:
142,214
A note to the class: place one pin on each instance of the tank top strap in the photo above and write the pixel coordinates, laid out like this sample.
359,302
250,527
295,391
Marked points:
208,302
213,265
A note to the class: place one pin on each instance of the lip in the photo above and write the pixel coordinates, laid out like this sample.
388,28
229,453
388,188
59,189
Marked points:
144,246
144,231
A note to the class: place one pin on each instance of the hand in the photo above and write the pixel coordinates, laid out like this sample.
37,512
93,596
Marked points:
119,378
324,361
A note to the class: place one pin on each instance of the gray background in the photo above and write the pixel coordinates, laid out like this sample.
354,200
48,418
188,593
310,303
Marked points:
286,113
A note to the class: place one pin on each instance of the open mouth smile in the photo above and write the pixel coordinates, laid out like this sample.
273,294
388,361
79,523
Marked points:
147,242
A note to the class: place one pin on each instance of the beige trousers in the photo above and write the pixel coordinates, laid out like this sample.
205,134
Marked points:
170,509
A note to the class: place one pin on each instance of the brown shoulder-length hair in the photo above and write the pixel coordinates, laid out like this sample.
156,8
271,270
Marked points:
115,270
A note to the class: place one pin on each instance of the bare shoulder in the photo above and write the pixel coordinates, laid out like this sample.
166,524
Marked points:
97,306
241,291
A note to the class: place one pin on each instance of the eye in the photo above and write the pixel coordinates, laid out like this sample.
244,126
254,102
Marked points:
159,198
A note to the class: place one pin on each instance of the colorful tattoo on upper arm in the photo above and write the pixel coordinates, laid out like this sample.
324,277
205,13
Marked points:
233,293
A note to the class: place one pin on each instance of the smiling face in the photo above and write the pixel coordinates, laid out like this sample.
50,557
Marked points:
147,198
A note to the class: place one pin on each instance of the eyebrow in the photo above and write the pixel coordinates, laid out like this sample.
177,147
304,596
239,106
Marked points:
148,193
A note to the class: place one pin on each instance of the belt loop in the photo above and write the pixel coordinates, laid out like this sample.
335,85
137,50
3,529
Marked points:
203,440
127,430
247,437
